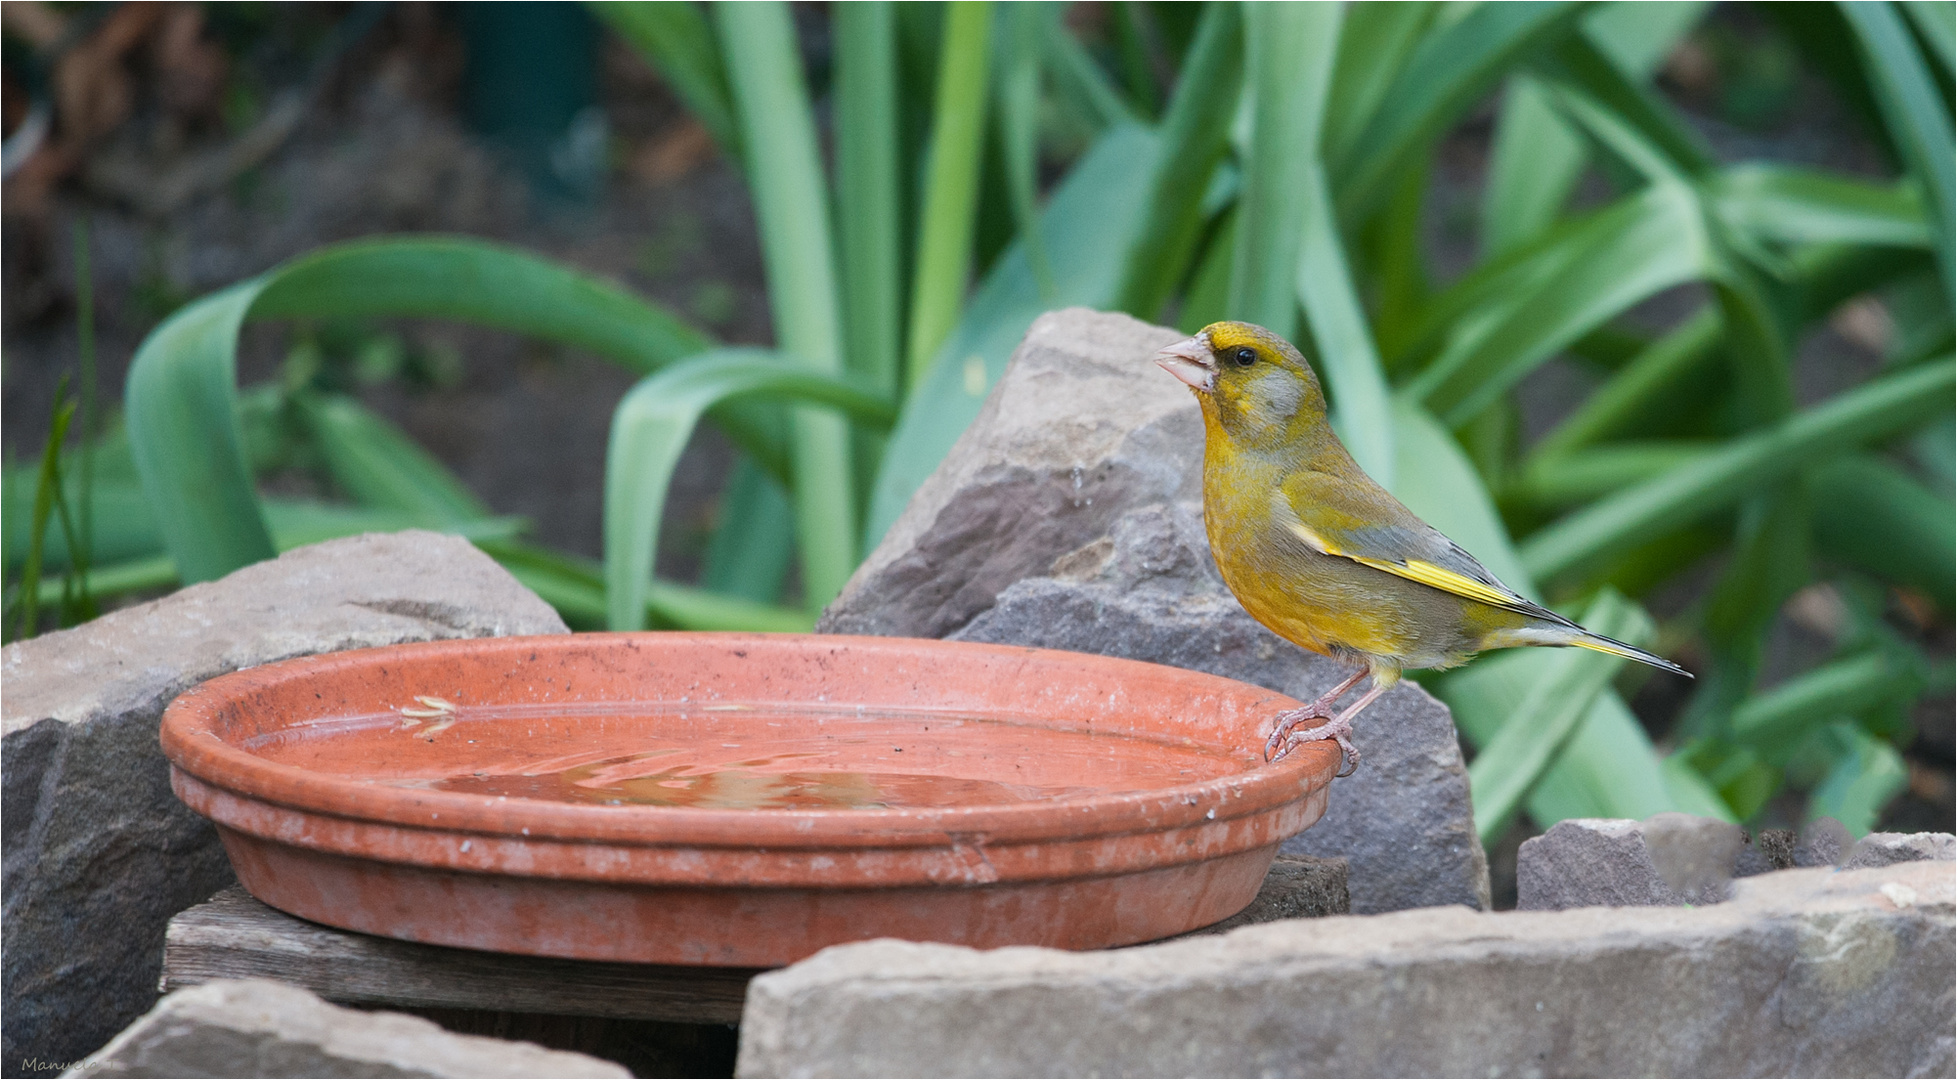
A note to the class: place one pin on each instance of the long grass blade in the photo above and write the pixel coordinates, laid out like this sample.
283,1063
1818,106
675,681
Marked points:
1576,280
1452,68
1871,515
1374,45
1916,114
181,397
1288,50
1195,133
1615,407
869,202
1871,411
651,428
754,540
1515,760
944,244
1791,205
377,465
765,74
1018,86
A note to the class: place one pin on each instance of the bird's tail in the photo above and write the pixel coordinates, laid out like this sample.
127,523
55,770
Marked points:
1602,644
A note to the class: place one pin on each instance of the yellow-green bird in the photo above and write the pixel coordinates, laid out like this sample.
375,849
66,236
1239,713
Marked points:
1318,552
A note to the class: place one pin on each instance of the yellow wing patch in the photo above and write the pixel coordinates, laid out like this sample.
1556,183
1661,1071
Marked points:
1441,578
1426,573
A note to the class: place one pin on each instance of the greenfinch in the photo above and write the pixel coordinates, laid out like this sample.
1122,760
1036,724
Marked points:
1318,552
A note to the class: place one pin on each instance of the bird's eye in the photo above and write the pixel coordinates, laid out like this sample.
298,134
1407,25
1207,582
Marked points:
1245,356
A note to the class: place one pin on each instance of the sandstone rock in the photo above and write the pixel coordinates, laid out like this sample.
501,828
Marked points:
98,853
1069,516
252,1027
1080,428
1803,973
1889,848
1607,862
1678,859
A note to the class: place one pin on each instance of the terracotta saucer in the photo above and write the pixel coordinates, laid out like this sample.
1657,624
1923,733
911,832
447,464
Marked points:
741,799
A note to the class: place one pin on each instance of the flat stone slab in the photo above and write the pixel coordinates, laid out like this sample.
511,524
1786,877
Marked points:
98,851
1673,859
1802,973
234,936
263,1028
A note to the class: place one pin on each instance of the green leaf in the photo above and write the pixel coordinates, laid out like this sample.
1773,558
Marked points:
1534,166
1788,204
754,540
1618,406
1374,44
1871,515
1288,54
1089,222
792,205
576,588
1562,288
1867,773
1195,133
1023,27
181,395
1936,26
1581,475
1450,70
1512,763
1916,114
379,466
944,241
869,201
1774,721
1363,411
674,37
1871,411
1081,81
651,428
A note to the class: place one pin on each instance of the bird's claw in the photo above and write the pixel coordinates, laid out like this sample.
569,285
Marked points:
1278,745
1287,736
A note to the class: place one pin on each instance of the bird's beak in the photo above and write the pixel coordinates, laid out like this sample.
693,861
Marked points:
1191,361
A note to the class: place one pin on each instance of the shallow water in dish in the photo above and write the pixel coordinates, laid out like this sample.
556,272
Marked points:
741,756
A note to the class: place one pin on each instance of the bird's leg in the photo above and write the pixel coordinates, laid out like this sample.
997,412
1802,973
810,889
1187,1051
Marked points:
1339,728
1274,747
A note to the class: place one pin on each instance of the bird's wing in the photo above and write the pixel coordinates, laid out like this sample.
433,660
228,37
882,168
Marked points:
1358,520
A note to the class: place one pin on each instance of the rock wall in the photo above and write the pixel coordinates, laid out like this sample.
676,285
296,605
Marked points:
98,851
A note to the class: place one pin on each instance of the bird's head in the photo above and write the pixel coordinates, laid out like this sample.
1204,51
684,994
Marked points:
1250,381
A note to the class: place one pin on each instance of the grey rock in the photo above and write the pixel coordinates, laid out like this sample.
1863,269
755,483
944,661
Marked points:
1075,432
98,852
1889,848
253,1027
1298,887
1667,860
1803,973
1068,516
1694,856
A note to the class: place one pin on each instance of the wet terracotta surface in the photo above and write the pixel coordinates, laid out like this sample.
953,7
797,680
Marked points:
741,800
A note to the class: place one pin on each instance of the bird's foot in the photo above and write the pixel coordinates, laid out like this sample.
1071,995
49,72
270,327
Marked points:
1288,736
1288,721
